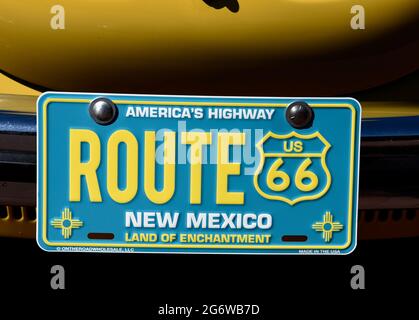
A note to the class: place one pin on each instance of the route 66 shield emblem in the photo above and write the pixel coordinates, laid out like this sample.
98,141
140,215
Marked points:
293,167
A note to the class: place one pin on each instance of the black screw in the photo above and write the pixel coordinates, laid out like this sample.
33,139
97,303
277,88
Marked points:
299,115
103,111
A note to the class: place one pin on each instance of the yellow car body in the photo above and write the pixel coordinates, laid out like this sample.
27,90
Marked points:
264,47
216,47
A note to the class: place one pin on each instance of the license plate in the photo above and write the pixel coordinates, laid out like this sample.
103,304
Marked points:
142,173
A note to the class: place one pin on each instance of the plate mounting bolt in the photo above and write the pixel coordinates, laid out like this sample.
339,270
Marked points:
103,111
299,115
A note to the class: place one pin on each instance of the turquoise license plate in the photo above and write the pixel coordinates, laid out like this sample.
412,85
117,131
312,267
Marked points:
143,173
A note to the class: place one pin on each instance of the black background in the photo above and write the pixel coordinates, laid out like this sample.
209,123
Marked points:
150,280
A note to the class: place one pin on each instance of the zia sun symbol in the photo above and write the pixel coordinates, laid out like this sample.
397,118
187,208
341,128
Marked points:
327,226
66,223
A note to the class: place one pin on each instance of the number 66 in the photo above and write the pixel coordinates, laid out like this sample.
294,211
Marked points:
301,175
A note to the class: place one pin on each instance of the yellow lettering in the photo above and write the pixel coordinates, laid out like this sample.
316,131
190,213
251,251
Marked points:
196,140
168,189
298,146
87,169
274,174
287,146
127,194
304,174
225,168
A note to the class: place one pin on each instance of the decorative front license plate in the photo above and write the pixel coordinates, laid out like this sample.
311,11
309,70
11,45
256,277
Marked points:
139,173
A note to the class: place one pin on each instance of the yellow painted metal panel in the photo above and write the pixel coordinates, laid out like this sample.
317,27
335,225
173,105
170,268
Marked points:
267,47
18,103
17,222
9,86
